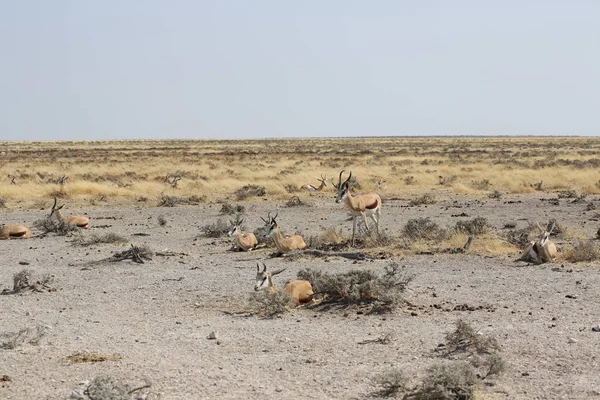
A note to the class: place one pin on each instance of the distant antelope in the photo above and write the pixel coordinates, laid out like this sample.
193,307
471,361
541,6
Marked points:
172,180
542,249
14,231
366,205
287,243
244,241
313,188
299,290
80,221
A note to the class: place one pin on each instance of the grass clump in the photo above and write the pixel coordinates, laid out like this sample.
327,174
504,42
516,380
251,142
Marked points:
250,191
426,199
217,229
465,339
475,226
230,209
393,384
24,280
107,238
583,251
53,225
423,228
270,304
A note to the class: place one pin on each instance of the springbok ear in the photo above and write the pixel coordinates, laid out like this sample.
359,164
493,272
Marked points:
277,271
60,207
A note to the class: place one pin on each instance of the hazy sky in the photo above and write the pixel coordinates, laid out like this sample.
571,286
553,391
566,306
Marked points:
237,69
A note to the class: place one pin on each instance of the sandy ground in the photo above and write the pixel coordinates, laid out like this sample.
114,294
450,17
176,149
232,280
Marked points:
157,315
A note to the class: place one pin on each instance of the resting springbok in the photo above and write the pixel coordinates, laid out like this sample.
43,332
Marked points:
542,249
15,231
287,243
244,241
366,205
78,220
299,290
313,188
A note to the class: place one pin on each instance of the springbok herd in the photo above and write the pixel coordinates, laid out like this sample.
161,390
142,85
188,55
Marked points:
367,206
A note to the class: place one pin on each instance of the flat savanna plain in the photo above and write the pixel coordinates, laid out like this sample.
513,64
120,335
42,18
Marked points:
152,320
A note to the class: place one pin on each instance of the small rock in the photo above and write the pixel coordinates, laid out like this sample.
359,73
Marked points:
596,328
77,394
572,340
23,263
27,314
279,389
212,335
571,296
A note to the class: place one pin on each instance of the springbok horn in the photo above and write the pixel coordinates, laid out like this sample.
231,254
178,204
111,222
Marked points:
349,176
340,179
54,205
551,229
273,219
539,227
257,267
265,267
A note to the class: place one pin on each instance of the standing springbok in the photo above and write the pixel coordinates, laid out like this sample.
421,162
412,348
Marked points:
366,205
287,243
299,290
14,231
313,188
542,249
78,220
244,241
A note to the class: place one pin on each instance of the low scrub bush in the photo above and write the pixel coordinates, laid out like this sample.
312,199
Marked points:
426,199
52,225
423,228
217,229
475,226
583,251
107,238
250,191
268,304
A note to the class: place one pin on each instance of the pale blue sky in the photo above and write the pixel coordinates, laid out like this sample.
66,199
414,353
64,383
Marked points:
245,69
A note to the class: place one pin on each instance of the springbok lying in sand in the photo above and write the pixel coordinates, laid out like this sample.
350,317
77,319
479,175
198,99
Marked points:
313,188
542,249
14,231
78,220
299,290
287,243
366,205
244,241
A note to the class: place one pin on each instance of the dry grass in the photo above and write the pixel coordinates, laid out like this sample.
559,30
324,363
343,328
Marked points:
128,170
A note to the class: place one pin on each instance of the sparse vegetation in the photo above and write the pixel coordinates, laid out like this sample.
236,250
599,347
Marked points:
426,199
217,229
230,209
24,280
583,251
162,221
52,225
475,226
250,191
361,285
107,238
269,304
136,253
423,228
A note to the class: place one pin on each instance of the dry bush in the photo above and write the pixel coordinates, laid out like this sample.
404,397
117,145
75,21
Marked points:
162,221
583,251
423,228
250,191
410,180
567,194
270,304
24,280
464,338
172,201
330,239
217,229
13,340
53,225
361,285
519,237
475,226
107,238
291,188
483,184
393,384
295,201
230,209
135,253
426,199
495,194
455,381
